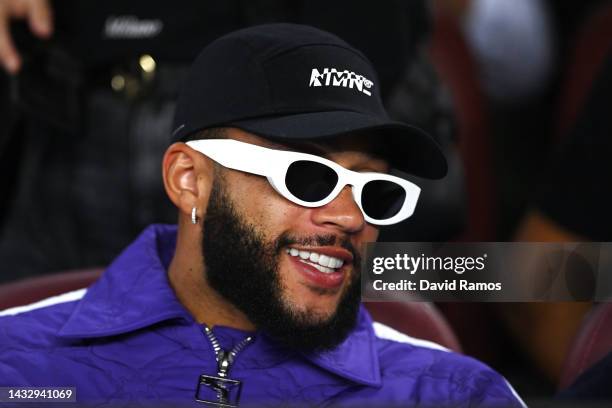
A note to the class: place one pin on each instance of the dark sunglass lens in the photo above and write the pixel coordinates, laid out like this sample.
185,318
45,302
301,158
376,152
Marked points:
310,181
382,199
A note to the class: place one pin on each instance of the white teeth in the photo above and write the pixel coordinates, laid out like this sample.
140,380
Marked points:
324,260
324,263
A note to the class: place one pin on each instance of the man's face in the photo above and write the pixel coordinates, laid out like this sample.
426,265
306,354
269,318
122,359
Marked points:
250,238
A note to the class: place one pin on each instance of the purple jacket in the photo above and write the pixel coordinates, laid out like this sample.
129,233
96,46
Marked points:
127,338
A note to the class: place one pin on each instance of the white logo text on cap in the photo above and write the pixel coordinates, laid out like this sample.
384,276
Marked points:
344,79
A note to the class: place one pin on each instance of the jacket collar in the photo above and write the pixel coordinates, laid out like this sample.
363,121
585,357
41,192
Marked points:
134,293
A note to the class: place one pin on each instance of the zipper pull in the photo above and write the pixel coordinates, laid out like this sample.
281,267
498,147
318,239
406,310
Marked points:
223,363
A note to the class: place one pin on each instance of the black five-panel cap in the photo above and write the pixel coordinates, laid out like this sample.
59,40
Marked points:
295,82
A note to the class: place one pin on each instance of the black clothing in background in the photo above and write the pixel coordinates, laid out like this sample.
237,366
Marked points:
577,190
102,32
99,32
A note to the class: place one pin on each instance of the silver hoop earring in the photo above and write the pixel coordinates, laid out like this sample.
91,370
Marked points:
194,216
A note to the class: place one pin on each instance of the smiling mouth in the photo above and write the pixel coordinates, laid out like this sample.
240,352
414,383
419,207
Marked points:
323,263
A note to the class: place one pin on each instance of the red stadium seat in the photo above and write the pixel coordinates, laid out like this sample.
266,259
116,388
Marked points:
31,290
593,342
458,70
416,319
590,47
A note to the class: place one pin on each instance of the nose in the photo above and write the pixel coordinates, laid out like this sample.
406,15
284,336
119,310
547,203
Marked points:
341,213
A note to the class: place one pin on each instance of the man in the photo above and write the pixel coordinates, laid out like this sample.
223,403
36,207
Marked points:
254,299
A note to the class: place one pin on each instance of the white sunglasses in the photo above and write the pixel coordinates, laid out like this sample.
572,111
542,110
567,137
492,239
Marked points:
312,181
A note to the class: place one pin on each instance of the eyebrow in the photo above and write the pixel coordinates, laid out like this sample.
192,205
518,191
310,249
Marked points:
304,147
313,148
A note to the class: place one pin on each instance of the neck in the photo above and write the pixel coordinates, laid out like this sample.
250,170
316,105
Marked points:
186,274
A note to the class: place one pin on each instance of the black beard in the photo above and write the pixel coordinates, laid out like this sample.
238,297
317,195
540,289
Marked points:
243,268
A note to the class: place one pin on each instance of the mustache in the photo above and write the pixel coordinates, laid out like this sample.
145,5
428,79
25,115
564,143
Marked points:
286,239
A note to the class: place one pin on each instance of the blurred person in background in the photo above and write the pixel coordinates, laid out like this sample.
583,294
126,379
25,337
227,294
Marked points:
572,204
97,81
567,202
524,49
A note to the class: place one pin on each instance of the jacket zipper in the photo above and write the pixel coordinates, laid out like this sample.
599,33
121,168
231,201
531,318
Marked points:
224,358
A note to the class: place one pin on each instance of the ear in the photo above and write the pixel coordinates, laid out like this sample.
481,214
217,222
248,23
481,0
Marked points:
188,178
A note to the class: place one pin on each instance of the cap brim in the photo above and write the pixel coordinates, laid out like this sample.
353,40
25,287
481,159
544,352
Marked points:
407,148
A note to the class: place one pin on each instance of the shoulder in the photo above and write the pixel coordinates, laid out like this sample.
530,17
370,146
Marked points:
29,341
35,326
430,366
398,352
